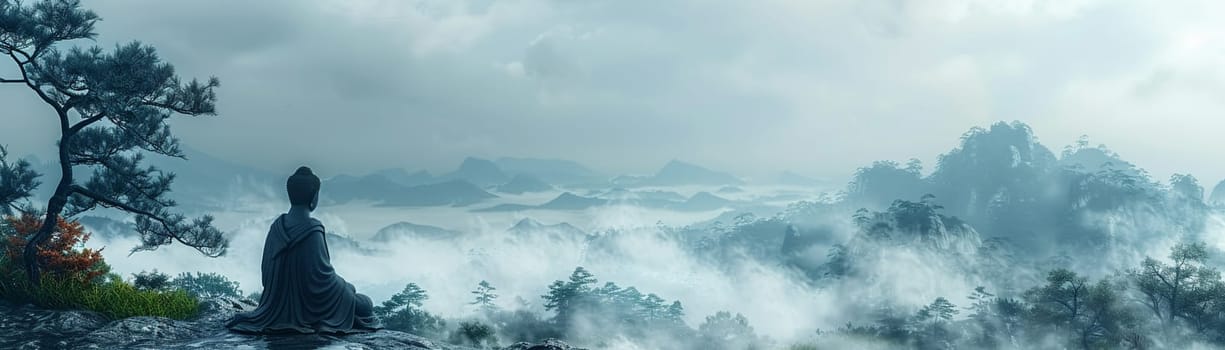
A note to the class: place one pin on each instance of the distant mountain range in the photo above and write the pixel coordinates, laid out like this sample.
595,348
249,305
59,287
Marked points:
570,201
481,172
338,242
381,190
565,201
204,182
466,185
702,201
658,195
1217,196
529,227
524,183
553,171
200,181
678,173
406,230
345,188
404,178
454,192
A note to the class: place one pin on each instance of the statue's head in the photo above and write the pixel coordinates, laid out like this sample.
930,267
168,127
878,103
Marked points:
303,188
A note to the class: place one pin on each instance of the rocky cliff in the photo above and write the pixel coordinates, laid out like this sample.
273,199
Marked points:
27,327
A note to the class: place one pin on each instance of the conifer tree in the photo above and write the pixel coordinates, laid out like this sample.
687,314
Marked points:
112,108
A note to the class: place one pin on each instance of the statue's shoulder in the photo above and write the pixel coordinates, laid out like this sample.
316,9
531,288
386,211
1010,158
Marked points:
317,224
277,222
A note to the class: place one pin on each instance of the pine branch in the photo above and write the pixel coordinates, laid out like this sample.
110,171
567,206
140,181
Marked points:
25,75
86,122
112,203
15,51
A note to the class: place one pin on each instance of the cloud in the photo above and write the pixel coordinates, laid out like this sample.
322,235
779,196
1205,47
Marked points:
754,87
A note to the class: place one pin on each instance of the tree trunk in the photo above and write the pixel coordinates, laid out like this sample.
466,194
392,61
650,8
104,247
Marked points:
1174,294
54,207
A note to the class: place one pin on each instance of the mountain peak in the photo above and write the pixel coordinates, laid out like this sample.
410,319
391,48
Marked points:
474,160
407,230
1217,196
526,224
523,183
571,201
405,178
479,171
457,192
554,171
678,172
559,231
706,196
473,164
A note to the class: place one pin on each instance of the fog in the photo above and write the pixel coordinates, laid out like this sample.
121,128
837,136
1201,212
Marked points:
520,267
802,264
845,174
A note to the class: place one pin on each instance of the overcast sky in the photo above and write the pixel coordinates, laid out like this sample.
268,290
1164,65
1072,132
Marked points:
752,87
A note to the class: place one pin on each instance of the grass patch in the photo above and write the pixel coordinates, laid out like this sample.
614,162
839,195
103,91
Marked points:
111,297
75,277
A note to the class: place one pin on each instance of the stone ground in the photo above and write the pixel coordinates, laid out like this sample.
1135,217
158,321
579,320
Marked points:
27,327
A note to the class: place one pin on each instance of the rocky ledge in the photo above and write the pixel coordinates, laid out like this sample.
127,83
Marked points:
27,327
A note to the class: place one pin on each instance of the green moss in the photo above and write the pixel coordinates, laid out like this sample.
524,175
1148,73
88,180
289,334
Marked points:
111,297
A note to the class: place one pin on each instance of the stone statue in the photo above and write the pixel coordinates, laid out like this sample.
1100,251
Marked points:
302,293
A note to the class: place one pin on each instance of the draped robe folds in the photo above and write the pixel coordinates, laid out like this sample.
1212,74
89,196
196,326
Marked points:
302,292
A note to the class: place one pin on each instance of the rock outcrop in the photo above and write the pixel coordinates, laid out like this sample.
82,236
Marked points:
28,327
550,344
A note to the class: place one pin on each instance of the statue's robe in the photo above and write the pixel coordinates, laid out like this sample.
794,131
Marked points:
302,293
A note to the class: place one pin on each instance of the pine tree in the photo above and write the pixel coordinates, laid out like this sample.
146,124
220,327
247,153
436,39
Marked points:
984,315
932,328
1090,313
1170,290
675,312
485,296
112,107
403,312
17,181
411,296
563,293
652,308
151,280
1061,301
725,331
940,310
565,297
207,285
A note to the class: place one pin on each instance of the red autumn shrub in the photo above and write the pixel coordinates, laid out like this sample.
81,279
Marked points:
63,255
